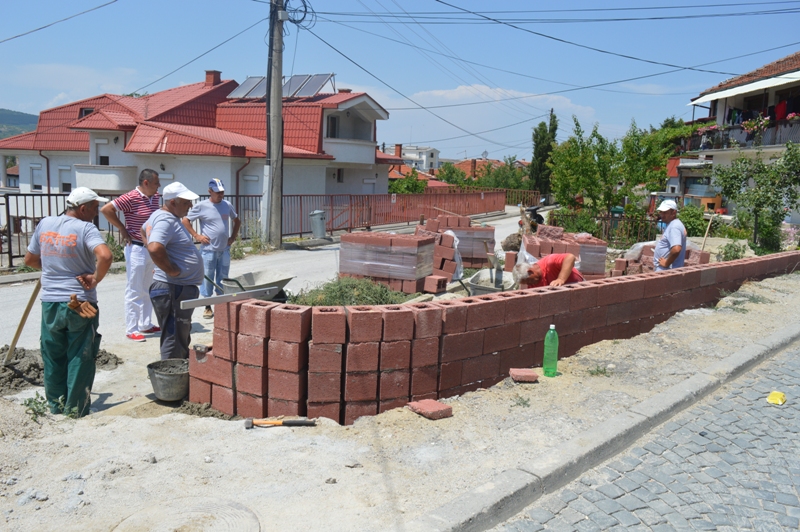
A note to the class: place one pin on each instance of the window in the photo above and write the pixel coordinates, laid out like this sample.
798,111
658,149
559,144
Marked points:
430,165
103,160
333,127
37,179
66,188
85,111
431,155
340,175
672,190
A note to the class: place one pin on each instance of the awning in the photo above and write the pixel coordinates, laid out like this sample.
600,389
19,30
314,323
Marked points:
783,79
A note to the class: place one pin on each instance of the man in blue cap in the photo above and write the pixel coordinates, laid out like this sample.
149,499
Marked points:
215,236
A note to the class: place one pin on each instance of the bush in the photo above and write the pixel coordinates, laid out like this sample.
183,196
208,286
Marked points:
349,291
117,251
574,221
692,218
731,251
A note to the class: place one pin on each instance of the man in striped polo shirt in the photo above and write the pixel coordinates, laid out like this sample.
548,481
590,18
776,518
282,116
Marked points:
137,206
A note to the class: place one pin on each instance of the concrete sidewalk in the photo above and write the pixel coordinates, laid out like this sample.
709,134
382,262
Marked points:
514,489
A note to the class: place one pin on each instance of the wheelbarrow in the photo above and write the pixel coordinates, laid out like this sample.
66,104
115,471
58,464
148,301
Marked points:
257,280
265,285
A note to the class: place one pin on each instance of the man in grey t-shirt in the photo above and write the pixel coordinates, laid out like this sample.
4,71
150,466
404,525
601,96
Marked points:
215,237
671,249
179,269
73,258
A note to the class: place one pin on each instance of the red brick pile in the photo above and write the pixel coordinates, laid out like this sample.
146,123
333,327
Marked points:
645,262
404,263
444,257
549,240
470,239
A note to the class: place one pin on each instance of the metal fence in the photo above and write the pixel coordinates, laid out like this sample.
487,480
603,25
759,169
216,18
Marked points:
350,211
733,136
343,212
620,232
513,196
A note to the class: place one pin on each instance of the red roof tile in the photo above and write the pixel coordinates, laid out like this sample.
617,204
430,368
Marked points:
387,158
790,63
14,170
106,120
19,142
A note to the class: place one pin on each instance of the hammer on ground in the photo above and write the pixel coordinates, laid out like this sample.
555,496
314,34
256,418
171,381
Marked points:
250,423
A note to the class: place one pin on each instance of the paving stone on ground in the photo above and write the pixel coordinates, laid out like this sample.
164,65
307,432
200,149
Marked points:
730,462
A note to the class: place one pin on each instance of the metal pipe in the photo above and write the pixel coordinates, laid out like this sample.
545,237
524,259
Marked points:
49,208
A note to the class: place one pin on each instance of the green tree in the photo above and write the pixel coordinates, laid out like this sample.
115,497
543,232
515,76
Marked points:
410,184
544,139
448,173
506,176
764,190
587,167
643,161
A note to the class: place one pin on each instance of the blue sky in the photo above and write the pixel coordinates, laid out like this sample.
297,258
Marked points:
130,44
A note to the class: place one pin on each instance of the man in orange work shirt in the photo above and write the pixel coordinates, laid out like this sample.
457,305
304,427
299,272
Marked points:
553,270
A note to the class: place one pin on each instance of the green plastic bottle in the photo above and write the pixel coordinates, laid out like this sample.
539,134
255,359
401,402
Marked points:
550,364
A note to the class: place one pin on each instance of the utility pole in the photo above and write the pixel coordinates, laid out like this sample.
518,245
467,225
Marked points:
272,191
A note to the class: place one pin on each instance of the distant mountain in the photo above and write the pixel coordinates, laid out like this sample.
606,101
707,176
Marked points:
14,123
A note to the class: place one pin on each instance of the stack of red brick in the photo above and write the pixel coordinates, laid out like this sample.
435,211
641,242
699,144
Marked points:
344,362
470,239
645,264
444,258
404,263
549,240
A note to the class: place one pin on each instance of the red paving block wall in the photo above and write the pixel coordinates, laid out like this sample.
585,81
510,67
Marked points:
347,362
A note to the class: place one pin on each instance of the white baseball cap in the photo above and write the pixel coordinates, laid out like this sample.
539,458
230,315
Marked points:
178,190
82,195
668,205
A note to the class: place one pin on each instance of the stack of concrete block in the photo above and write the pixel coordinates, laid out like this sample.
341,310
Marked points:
590,250
471,240
325,357
401,262
645,262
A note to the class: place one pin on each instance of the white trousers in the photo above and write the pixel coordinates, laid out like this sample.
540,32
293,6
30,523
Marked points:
138,308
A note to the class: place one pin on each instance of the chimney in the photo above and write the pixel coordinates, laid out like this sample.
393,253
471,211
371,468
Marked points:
213,78
345,91
472,168
431,171
398,150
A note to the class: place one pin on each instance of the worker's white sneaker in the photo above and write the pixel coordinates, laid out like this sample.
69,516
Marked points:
208,313
136,337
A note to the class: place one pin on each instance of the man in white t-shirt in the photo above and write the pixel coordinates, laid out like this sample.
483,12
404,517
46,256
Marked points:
671,249
179,269
215,237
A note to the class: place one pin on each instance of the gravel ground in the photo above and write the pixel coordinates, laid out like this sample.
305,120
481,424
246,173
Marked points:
141,466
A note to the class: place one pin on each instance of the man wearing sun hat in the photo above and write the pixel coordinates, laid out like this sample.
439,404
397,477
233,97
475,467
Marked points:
179,269
671,249
215,237
73,258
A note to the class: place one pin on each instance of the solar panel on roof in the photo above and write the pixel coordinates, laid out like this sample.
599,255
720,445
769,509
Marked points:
245,87
313,86
260,90
294,83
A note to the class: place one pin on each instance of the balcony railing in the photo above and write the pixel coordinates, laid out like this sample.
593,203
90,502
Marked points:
733,137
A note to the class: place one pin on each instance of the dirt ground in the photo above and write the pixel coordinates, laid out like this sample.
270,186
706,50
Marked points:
142,465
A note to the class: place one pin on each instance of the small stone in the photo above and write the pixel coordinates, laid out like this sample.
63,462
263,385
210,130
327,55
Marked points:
208,459
330,481
353,465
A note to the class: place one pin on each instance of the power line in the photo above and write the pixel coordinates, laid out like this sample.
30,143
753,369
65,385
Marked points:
400,93
485,131
587,47
58,21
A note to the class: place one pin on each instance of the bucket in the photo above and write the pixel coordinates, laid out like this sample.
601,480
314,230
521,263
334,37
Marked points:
170,378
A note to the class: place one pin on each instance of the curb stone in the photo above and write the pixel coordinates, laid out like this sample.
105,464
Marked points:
507,494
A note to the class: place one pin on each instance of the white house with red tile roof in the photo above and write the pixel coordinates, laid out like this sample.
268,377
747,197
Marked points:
197,132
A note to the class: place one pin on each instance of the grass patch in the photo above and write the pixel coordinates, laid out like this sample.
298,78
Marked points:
599,371
35,407
349,291
22,268
521,402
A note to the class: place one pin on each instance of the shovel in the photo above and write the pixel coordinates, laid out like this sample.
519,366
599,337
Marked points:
13,345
